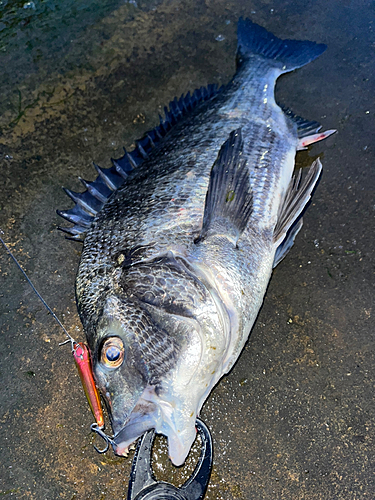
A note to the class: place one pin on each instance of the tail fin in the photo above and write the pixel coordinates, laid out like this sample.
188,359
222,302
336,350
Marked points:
288,54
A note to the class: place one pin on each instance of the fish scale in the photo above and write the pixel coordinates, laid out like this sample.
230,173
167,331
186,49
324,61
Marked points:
177,259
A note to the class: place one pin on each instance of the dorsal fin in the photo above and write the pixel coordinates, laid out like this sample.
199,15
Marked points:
90,202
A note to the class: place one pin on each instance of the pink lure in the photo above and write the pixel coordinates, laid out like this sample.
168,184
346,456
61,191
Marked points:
82,358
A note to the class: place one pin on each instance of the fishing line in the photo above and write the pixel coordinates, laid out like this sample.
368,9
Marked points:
81,357
70,338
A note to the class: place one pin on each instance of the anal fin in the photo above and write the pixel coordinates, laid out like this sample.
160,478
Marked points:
303,142
304,127
229,198
295,201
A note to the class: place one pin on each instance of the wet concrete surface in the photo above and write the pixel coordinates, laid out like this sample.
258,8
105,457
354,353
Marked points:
295,417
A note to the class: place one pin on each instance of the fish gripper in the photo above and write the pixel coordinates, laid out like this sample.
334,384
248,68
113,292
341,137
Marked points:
143,485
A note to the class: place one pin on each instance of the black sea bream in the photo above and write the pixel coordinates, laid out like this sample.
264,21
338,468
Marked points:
180,238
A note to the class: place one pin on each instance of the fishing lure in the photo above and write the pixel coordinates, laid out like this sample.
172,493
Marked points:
81,357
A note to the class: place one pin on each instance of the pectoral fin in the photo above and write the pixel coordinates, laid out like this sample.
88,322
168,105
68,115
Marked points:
229,199
295,201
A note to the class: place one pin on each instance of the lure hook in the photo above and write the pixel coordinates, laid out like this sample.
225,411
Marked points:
95,428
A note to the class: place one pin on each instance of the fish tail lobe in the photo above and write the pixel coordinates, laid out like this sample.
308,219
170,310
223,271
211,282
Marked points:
285,54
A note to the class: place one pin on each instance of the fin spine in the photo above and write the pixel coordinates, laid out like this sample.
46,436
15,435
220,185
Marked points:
110,179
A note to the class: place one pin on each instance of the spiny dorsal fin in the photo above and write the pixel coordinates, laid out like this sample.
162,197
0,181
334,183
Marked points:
295,201
229,198
110,179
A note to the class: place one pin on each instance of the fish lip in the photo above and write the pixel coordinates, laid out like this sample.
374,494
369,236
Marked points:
141,421
137,424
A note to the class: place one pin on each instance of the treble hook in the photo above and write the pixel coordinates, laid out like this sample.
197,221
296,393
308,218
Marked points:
95,428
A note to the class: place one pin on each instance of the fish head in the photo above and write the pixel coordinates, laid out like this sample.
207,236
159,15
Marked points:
157,344
117,367
144,373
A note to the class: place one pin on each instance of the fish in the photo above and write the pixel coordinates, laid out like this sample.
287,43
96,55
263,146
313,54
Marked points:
180,237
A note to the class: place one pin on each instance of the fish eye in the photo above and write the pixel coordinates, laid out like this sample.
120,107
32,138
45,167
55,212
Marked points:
113,352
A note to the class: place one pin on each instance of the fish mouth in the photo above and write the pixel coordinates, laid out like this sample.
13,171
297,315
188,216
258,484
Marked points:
146,416
136,426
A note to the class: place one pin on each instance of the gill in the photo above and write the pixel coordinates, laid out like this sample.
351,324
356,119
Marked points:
82,360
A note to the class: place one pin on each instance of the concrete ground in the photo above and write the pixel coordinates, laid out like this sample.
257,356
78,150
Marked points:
295,417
